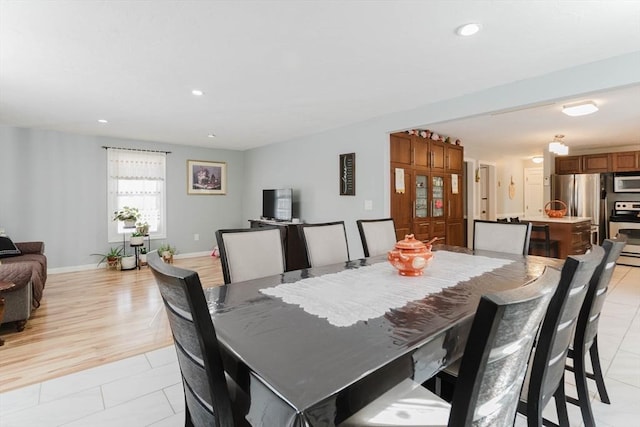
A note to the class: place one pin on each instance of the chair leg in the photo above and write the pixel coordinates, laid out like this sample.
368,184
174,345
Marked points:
583,400
597,371
561,405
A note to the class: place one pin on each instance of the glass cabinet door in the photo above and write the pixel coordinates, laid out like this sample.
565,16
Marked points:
437,200
422,194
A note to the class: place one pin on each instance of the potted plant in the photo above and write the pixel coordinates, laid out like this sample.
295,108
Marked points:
136,239
142,228
112,257
166,251
127,262
127,215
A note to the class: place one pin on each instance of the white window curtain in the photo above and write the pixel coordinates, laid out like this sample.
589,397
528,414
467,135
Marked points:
136,179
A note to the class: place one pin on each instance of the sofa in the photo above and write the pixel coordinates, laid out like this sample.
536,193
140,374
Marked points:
27,269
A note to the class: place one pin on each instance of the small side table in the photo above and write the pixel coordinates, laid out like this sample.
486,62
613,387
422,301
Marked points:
3,287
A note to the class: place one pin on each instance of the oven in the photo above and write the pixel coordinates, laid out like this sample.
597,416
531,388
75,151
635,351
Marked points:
625,220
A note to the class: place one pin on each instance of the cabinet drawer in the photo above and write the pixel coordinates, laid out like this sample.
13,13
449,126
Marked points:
439,228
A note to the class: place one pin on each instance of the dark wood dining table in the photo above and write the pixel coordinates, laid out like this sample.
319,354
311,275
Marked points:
300,370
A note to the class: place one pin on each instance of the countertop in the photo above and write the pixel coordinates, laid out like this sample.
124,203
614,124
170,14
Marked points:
563,220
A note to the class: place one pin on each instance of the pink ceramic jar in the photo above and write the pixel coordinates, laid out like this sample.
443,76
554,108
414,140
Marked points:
410,256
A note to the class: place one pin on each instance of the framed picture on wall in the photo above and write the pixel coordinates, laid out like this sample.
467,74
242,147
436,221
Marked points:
204,177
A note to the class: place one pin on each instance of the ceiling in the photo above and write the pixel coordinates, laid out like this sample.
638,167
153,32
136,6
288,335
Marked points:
273,71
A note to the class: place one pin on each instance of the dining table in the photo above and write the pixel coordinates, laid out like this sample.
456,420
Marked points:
311,347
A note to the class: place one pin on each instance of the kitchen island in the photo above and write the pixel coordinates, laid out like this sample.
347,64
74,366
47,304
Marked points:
573,233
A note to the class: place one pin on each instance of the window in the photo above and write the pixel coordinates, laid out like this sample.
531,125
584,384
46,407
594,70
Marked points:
136,179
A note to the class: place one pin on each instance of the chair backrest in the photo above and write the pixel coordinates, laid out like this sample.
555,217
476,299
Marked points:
495,358
556,332
511,237
249,253
587,326
206,394
378,235
326,243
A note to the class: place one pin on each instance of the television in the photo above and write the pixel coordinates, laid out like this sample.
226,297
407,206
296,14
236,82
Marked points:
277,204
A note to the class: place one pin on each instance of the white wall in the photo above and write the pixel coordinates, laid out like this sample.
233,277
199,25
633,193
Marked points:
54,190
53,183
310,164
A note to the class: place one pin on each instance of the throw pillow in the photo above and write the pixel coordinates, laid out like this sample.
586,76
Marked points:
8,248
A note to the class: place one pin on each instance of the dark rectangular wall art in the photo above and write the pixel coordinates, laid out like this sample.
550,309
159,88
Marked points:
348,174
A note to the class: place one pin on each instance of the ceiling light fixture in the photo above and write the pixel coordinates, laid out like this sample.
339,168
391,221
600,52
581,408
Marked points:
468,29
580,109
537,159
197,92
103,121
211,135
557,146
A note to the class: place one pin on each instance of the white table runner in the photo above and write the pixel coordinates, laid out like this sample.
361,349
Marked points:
349,296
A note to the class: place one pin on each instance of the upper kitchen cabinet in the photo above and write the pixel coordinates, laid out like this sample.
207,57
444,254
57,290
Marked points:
566,165
627,161
596,163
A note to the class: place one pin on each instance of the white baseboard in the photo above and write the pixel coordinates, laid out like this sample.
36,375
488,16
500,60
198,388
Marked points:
75,268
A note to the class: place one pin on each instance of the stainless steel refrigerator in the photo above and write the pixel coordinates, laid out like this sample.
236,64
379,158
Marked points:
585,196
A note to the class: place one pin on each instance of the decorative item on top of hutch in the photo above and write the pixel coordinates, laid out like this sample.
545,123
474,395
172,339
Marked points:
426,198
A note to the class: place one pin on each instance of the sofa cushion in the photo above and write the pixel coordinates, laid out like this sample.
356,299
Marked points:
8,248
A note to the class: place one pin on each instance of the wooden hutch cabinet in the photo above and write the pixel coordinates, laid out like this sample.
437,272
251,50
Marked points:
428,207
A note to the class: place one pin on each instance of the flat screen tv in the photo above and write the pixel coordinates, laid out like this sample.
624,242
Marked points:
277,204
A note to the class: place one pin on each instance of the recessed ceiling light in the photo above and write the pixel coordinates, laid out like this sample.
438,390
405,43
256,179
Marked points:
211,135
103,121
537,159
468,29
580,109
197,92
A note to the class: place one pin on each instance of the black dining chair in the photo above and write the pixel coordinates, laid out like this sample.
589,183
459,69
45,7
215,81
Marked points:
249,253
540,239
325,243
491,373
378,236
586,335
211,397
545,377
508,237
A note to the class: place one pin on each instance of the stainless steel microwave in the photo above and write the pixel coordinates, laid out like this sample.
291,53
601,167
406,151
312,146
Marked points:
626,183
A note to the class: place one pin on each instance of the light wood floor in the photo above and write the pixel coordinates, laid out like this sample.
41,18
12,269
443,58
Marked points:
89,318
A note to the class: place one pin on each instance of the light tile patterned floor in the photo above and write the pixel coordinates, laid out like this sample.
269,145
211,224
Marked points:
145,390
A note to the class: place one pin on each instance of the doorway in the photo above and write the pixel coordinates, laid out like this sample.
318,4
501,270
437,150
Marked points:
533,192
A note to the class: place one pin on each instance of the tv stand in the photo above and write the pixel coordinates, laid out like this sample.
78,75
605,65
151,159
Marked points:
294,250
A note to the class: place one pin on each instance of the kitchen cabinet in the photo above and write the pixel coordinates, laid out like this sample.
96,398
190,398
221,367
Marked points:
566,165
627,161
572,233
596,163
